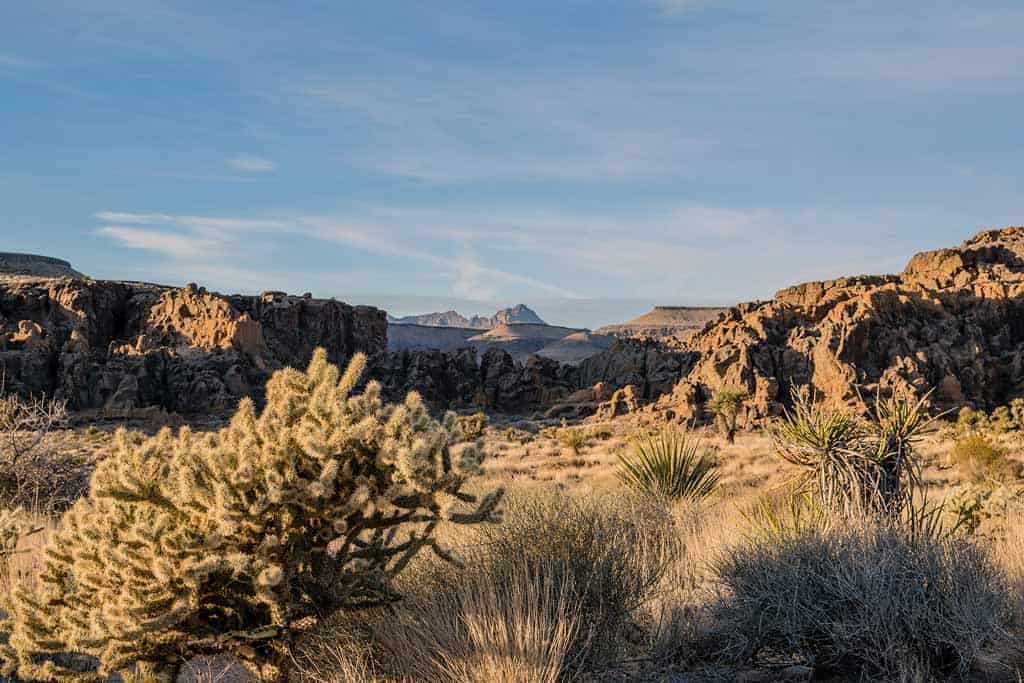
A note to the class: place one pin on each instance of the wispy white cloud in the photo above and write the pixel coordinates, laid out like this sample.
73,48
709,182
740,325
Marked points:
251,164
177,245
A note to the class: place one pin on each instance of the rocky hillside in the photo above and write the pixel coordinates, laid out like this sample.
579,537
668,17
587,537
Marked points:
120,346
952,321
518,314
665,321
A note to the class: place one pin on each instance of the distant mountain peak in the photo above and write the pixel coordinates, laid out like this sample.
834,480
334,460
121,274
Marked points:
515,315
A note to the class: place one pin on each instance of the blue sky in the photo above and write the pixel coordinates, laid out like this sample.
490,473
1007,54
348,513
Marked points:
416,154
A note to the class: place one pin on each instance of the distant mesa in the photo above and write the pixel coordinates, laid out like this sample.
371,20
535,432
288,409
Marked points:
516,314
666,321
517,330
12,263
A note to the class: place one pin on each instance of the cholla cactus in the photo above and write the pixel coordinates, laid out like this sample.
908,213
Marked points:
241,541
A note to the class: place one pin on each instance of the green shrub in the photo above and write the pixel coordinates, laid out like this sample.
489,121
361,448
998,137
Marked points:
725,406
669,466
573,438
971,421
979,459
862,601
243,540
602,432
472,426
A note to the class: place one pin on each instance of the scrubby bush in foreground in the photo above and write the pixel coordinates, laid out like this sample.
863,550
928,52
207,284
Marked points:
548,594
863,600
243,540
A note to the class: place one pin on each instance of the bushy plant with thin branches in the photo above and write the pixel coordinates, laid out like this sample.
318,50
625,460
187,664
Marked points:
670,465
864,600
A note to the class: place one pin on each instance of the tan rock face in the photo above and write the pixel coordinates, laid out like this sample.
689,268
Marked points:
953,321
128,346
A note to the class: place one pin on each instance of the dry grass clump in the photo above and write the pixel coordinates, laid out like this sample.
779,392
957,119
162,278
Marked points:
546,595
573,438
861,599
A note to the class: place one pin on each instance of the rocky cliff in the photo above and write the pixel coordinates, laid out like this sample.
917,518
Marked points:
952,321
120,345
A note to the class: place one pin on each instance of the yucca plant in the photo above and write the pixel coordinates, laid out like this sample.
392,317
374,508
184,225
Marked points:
900,421
725,406
669,465
853,465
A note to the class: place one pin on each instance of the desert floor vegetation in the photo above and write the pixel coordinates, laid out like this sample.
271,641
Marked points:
723,561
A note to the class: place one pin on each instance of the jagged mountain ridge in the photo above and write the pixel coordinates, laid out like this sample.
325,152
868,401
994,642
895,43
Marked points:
518,314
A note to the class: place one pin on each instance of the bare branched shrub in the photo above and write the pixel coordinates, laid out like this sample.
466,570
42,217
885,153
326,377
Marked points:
862,600
31,473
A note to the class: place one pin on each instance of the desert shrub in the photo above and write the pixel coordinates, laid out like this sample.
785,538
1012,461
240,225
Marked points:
609,551
243,540
979,459
551,589
472,426
471,630
971,421
670,466
32,473
971,505
725,406
851,465
862,600
602,432
573,438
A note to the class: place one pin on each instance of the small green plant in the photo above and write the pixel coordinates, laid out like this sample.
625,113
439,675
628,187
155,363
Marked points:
573,438
979,459
472,426
725,406
602,432
971,421
669,465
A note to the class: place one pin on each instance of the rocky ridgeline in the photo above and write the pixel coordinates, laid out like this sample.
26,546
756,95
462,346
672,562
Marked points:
120,346
952,321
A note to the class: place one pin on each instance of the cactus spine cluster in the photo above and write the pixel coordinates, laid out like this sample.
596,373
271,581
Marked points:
242,540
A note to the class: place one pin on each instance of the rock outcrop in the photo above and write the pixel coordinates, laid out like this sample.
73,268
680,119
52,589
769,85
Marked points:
124,346
952,322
